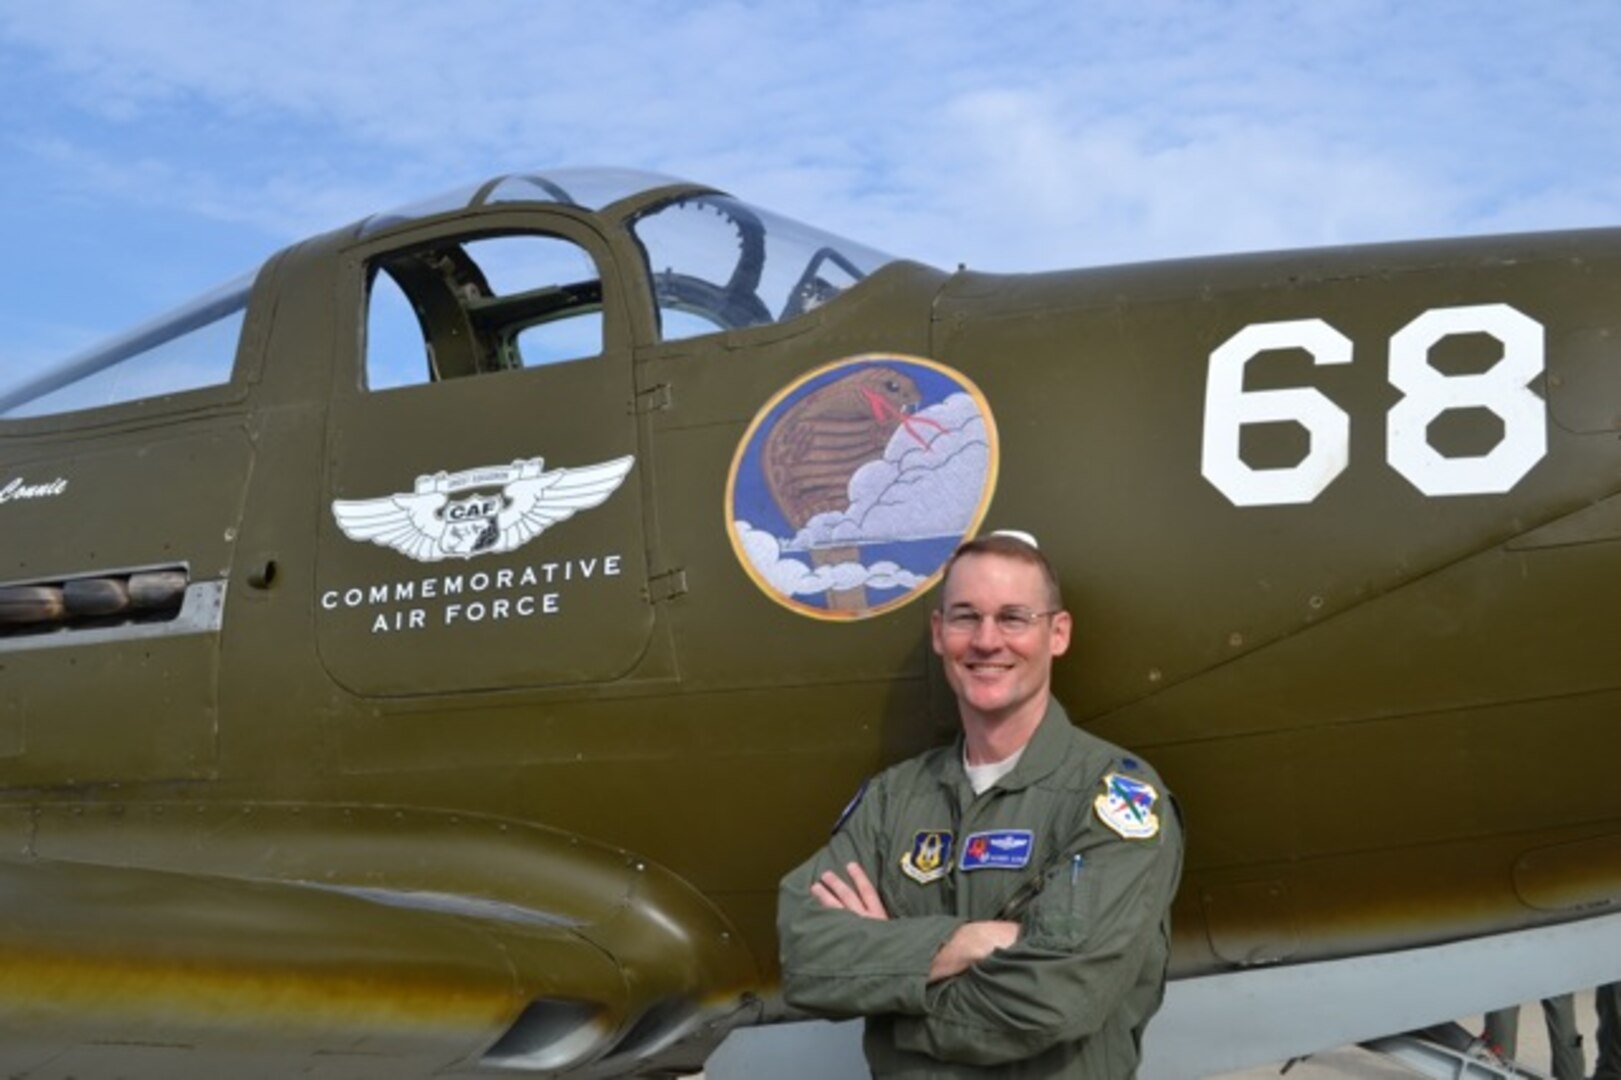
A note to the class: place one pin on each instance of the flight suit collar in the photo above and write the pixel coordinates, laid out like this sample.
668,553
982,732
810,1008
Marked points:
1042,754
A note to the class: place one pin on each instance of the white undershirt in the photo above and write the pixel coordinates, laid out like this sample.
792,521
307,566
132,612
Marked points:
981,777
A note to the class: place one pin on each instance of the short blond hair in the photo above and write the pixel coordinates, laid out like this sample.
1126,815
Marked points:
1009,546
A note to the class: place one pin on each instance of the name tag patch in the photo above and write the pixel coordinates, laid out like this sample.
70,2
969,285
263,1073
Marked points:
1000,849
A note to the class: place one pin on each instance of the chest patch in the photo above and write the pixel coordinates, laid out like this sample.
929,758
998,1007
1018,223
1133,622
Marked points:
929,857
1127,806
1001,849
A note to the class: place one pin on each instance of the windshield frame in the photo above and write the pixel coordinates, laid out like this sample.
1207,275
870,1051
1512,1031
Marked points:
759,251
233,299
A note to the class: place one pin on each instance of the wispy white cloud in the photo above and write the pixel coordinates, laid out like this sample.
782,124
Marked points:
1009,136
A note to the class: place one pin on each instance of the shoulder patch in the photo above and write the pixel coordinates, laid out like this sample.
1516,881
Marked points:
850,807
1126,805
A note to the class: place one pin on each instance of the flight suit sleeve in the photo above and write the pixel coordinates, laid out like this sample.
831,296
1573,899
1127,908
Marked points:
836,963
1086,937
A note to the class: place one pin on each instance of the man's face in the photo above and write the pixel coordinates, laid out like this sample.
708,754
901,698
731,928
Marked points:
998,675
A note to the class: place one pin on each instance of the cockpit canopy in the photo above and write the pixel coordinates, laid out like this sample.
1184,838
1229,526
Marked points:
713,263
716,262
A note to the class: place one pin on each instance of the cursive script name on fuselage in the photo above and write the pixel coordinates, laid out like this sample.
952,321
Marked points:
15,490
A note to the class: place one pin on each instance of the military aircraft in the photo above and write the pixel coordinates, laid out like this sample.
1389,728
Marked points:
424,655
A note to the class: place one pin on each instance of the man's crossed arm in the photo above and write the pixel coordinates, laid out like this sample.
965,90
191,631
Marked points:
968,945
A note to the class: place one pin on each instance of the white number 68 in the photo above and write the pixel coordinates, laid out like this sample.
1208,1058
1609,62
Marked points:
1504,389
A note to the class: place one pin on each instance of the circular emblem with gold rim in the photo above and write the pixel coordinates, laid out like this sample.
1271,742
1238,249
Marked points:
855,483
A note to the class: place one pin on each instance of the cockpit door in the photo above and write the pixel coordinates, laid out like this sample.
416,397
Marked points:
481,524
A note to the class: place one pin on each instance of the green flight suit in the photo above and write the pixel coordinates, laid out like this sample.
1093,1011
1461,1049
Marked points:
1071,997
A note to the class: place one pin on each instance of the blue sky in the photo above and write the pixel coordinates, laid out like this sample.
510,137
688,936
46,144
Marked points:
149,151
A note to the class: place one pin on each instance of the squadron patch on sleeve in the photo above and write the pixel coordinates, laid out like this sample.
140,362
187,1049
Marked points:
1127,806
929,857
850,807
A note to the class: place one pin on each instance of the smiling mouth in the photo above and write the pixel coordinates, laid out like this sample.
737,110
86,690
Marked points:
985,668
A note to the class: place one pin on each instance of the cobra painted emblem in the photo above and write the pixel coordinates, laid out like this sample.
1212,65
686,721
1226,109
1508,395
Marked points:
855,483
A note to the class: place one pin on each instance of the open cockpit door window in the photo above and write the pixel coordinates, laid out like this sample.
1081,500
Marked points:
464,307
483,522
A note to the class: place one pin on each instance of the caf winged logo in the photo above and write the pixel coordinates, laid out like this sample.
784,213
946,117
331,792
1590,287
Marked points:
428,525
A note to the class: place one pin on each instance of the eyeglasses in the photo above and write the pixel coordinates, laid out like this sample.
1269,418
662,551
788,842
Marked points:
1012,622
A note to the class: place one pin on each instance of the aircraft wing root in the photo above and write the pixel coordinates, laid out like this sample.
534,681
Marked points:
371,938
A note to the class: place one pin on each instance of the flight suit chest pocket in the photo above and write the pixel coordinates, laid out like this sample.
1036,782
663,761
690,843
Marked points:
1062,913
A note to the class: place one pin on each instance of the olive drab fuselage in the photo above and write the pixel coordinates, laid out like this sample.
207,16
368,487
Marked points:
461,682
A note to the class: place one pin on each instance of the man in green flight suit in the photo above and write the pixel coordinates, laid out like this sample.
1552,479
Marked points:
999,907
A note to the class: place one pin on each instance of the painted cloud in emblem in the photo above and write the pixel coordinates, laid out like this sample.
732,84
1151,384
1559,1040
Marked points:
790,577
428,525
925,485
